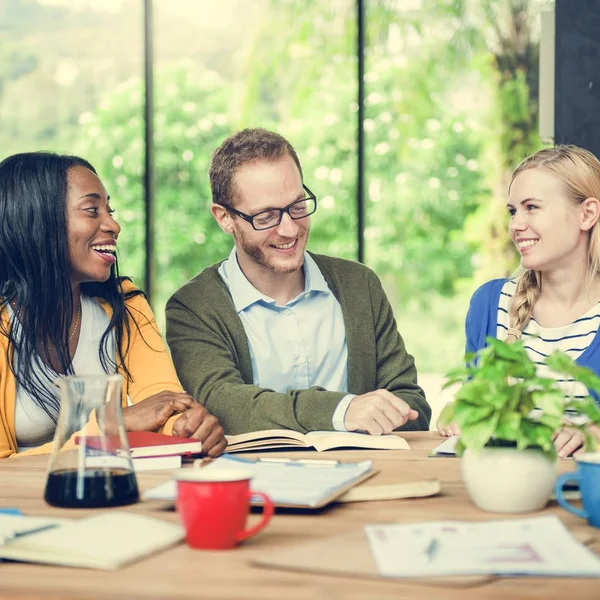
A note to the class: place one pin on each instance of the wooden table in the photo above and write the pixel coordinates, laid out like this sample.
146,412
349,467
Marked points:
184,573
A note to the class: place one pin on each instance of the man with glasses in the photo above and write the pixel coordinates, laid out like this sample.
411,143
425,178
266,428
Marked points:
275,337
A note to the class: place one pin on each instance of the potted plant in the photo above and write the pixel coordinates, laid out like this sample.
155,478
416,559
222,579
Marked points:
509,459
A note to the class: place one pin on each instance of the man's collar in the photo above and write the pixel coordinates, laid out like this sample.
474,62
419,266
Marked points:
244,294
313,278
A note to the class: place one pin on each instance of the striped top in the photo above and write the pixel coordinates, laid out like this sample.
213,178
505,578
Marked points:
573,339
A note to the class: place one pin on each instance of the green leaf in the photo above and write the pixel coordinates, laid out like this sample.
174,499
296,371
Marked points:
474,392
466,415
447,414
587,407
478,435
561,363
535,434
551,403
509,427
553,422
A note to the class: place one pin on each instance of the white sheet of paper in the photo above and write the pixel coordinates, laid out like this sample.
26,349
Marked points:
531,546
448,446
283,483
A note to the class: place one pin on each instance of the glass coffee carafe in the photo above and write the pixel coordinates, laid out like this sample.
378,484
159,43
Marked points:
90,465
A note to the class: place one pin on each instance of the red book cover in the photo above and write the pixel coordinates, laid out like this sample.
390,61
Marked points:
144,443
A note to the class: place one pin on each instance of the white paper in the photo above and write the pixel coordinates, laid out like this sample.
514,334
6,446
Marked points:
448,446
533,546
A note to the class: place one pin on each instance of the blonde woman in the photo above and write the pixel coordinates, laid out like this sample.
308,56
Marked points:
554,301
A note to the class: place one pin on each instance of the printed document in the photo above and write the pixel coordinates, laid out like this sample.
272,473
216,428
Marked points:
287,482
533,546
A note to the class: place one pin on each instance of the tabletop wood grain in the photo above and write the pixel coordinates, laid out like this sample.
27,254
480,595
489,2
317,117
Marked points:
185,573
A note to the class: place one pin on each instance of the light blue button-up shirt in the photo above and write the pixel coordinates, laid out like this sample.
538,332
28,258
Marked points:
296,346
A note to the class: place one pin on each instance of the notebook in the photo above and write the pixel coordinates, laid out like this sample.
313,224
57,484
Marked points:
105,541
14,525
319,440
289,483
145,443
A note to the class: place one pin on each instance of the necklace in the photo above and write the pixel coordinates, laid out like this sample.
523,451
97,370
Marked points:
77,321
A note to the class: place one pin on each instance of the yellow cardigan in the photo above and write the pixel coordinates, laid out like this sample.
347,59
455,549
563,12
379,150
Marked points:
148,362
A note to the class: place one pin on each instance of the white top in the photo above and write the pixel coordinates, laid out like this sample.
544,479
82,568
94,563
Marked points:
572,339
33,426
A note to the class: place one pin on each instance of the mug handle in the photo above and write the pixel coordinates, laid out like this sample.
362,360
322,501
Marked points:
268,510
558,493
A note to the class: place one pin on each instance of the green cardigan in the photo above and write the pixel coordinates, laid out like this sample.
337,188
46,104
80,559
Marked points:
210,350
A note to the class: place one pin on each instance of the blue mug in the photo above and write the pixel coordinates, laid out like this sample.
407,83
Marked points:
588,478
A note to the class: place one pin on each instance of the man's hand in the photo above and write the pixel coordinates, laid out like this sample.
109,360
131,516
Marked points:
567,441
198,423
154,412
377,413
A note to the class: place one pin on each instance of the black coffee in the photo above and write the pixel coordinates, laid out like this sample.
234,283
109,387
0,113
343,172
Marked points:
100,488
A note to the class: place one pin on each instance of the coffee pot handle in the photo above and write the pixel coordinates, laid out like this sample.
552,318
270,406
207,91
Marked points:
559,494
268,510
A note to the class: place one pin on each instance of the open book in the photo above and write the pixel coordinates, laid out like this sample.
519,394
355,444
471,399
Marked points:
319,440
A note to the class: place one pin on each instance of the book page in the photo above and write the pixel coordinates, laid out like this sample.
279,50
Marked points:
328,440
256,439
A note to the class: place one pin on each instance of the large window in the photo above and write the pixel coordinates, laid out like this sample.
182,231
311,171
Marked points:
450,105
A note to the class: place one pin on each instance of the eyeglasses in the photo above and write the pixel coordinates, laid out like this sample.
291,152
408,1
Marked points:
267,219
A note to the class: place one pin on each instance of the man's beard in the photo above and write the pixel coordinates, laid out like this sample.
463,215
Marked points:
257,253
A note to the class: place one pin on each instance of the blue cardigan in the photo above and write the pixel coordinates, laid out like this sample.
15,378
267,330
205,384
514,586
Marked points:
482,321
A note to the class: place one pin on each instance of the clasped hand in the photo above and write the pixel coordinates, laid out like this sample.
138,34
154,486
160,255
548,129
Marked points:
194,422
378,413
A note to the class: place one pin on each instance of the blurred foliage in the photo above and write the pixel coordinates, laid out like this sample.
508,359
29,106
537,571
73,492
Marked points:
191,120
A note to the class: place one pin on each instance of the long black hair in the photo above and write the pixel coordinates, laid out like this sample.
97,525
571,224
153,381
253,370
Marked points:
35,274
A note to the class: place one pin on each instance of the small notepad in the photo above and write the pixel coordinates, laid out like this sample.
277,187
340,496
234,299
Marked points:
107,541
12,526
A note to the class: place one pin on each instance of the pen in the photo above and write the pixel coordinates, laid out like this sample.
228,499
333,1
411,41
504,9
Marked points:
430,550
301,462
16,534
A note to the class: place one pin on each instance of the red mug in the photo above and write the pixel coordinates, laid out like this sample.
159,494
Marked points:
213,506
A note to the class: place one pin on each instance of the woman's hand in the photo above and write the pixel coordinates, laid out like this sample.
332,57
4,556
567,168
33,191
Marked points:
154,412
567,441
447,430
198,423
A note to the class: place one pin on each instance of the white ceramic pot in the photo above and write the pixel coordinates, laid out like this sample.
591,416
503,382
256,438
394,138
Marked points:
508,480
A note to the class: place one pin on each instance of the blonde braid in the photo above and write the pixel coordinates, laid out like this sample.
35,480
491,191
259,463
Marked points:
521,306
